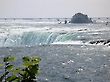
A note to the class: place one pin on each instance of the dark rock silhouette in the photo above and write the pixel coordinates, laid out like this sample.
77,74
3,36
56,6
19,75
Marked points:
80,18
107,23
104,42
65,21
107,41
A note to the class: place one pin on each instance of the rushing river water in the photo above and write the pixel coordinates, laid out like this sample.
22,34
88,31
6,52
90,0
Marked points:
65,49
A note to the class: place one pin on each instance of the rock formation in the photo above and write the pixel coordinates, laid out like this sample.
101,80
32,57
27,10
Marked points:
104,42
80,18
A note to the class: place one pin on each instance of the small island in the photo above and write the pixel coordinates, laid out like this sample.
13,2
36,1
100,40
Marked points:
80,18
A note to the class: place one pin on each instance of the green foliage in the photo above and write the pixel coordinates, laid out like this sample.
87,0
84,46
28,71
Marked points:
26,73
9,59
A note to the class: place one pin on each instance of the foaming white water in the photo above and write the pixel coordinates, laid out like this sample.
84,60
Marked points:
69,42
31,33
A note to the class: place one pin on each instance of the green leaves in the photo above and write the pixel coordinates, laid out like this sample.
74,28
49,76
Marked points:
27,73
16,71
31,65
1,65
3,76
9,59
13,78
27,61
9,67
35,60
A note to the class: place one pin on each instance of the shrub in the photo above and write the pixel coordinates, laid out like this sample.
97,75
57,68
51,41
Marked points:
26,73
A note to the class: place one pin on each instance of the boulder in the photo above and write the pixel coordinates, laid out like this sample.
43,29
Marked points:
80,18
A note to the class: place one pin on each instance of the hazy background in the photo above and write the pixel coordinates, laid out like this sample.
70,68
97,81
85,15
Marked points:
53,8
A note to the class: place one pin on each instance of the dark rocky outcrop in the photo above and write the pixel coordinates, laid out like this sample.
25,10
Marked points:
104,42
80,18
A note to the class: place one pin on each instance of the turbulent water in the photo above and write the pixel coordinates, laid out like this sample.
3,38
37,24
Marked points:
65,49
16,33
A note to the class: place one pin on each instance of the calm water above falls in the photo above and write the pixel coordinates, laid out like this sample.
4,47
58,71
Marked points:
67,55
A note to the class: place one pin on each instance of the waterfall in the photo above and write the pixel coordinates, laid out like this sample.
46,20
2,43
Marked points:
33,38
28,39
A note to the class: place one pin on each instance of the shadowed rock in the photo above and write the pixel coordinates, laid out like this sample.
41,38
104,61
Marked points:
107,41
101,41
80,18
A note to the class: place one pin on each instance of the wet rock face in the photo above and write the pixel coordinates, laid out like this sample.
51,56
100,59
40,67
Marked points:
104,42
80,18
